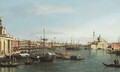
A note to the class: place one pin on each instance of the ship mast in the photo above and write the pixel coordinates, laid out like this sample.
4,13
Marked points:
44,38
71,40
93,36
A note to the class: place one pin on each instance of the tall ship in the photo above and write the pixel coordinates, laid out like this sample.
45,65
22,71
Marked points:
73,46
46,57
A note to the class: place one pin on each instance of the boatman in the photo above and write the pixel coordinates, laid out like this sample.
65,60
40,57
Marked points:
115,62
79,56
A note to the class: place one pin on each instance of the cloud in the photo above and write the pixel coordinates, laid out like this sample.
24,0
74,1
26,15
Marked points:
107,26
27,10
46,10
59,34
50,33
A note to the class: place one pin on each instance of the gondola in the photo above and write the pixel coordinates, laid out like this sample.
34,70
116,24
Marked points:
11,62
9,65
73,58
28,63
111,65
78,59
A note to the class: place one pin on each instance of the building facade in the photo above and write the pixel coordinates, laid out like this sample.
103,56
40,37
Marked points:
6,41
22,44
99,43
115,46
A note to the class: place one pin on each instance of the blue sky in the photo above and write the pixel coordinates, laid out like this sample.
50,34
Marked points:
25,19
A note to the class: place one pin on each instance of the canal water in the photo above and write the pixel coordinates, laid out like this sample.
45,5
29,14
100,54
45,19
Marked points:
92,63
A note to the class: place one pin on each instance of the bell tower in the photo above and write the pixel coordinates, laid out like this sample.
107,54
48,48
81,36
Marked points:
2,28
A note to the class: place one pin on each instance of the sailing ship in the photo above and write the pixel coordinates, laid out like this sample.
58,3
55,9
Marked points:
46,57
73,46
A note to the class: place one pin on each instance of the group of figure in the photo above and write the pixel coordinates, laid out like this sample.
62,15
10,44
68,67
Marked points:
13,60
116,62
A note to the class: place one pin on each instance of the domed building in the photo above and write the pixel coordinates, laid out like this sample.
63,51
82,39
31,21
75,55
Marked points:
5,41
100,43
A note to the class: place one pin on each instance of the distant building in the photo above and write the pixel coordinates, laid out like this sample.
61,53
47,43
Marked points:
115,46
5,41
17,44
99,44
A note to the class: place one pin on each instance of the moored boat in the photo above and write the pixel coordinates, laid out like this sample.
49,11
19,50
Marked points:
9,62
49,57
59,55
72,48
76,58
117,52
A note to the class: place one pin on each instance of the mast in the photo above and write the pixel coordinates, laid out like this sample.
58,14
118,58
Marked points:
118,39
44,38
29,45
54,41
71,40
93,36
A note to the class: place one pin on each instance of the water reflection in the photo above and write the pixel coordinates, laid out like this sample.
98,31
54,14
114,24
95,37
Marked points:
7,69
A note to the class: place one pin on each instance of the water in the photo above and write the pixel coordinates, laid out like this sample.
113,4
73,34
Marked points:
92,63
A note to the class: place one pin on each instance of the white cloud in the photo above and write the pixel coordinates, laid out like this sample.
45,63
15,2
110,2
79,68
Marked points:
44,9
106,24
107,27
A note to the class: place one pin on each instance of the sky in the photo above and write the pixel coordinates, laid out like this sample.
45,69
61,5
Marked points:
63,20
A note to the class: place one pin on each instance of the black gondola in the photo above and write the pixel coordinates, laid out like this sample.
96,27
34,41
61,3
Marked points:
73,58
28,63
111,65
78,59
